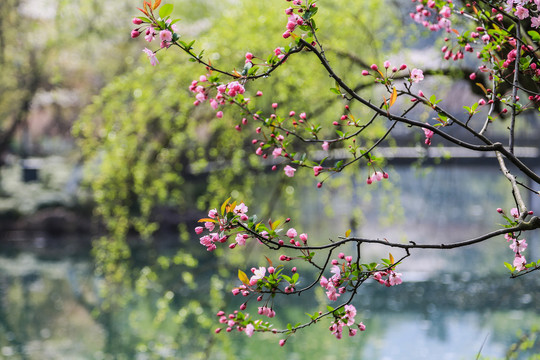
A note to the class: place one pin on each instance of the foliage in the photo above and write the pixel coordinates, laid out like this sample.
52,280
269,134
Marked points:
152,151
507,56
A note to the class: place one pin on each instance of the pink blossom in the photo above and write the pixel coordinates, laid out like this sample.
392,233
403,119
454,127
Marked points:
259,273
519,262
331,293
289,171
212,213
323,282
394,278
209,225
240,209
150,34
429,134
277,152
165,35
535,22
417,75
249,329
361,326
199,230
259,151
241,239
522,12
291,233
518,246
325,146
445,11
303,237
151,56
514,212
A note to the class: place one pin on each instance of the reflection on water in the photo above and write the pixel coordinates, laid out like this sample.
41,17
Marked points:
53,305
49,311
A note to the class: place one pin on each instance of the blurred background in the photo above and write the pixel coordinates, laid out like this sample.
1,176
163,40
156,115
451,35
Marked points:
106,166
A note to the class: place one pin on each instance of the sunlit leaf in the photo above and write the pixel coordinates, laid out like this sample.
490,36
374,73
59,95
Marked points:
208,220
224,205
269,261
347,233
393,97
165,10
243,277
482,87
391,258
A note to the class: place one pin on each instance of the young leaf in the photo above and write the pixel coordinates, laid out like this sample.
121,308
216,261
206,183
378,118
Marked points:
243,277
165,10
156,4
224,205
208,220
393,97
391,258
347,233
269,261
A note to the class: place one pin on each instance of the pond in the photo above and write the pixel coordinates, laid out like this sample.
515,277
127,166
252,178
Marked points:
457,305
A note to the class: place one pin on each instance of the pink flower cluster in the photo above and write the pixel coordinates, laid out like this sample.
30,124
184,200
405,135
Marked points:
294,19
432,17
518,247
213,220
336,285
239,321
429,134
523,9
202,89
392,278
346,319
376,176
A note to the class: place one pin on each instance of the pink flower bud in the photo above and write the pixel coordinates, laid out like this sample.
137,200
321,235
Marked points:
499,210
243,306
365,72
282,342
374,67
319,185
137,21
217,331
135,33
219,114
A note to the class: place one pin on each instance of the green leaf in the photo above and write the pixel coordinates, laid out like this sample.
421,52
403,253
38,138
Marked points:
295,277
534,35
508,266
329,308
336,91
165,10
